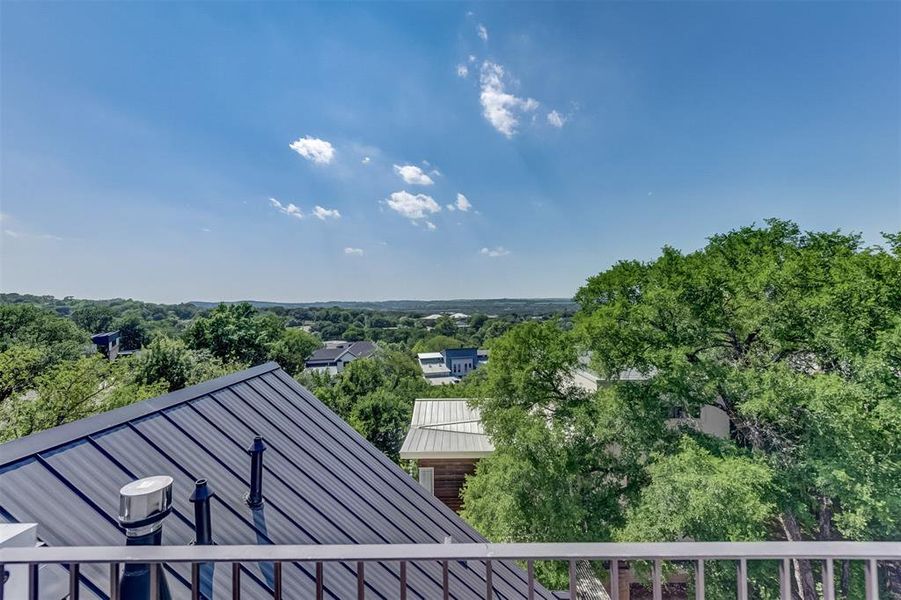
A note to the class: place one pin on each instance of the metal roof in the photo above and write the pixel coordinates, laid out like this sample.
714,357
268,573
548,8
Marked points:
323,484
447,428
357,349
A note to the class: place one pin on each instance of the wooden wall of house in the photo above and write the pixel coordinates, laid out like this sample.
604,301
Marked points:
450,474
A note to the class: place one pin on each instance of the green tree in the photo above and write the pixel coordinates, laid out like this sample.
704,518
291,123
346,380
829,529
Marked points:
93,318
235,333
40,328
445,326
293,348
132,330
19,365
70,391
436,344
382,417
796,335
33,340
170,363
375,395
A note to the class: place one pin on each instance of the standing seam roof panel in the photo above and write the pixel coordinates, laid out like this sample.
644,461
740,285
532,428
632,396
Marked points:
322,483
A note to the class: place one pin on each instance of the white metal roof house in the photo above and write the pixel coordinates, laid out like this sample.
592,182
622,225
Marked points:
446,439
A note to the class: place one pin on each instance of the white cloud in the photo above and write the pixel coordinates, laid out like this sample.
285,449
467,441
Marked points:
326,213
319,151
366,160
32,236
412,206
499,107
472,58
353,251
205,229
462,71
556,119
413,175
289,209
495,252
431,226
463,203
483,33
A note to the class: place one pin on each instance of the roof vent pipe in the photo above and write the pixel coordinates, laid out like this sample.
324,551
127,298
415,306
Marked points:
255,497
200,497
143,504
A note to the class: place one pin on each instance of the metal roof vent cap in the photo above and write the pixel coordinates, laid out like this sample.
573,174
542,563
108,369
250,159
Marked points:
200,498
254,497
143,504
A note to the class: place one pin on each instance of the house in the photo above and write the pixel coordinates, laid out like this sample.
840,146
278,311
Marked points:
450,365
337,354
274,465
107,343
446,439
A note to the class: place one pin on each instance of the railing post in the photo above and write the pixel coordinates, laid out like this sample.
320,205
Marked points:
614,579
743,579
530,575
828,580
236,581
444,589
74,589
114,581
785,579
489,584
573,588
699,579
155,581
277,594
361,580
34,583
195,581
657,580
403,580
872,579
319,581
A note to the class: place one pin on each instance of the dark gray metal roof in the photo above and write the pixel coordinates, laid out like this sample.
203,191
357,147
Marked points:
323,484
357,349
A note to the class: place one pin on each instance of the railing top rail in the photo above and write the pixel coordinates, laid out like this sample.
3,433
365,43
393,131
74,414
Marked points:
425,552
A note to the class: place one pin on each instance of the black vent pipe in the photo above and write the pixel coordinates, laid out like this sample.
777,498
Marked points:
143,504
255,497
203,528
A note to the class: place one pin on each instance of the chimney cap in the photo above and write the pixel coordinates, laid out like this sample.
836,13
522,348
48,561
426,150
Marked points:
257,445
202,491
145,501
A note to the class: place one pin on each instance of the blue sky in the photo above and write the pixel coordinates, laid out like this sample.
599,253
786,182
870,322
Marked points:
175,151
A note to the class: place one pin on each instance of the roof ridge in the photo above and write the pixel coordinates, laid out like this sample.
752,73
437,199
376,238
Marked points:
49,439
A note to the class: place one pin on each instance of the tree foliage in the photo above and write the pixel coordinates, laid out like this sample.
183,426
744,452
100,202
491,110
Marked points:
375,395
235,332
795,335
70,391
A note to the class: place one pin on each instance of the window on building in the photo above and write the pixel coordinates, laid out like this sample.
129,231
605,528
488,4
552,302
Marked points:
427,478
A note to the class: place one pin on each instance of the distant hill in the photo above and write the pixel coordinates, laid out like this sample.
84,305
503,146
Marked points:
494,306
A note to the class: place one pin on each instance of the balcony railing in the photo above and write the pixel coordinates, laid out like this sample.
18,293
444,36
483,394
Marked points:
694,553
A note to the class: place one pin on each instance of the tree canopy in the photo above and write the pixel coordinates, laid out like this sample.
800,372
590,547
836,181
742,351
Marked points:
794,335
